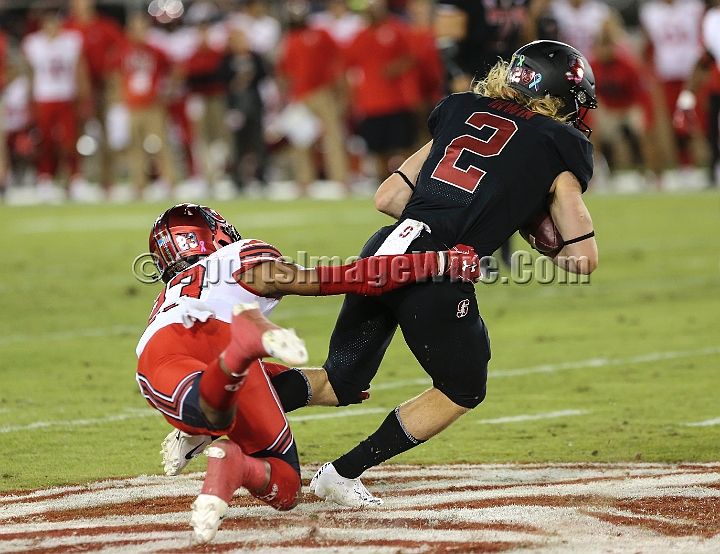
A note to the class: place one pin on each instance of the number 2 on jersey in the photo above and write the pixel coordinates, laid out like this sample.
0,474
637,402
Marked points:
468,179
192,283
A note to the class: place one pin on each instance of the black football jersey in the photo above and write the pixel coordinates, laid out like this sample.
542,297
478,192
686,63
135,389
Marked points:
490,169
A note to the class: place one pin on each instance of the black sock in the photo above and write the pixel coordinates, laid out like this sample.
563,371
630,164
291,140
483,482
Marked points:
389,440
293,389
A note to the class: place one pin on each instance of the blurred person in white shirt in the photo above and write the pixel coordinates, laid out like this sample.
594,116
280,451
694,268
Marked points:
261,28
580,22
339,21
16,122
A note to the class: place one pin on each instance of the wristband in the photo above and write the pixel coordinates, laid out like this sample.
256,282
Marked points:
590,235
405,178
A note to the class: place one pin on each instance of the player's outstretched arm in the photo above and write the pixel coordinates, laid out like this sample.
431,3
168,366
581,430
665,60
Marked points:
368,276
572,219
393,195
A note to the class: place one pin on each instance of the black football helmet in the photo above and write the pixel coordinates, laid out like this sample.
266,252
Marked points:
550,68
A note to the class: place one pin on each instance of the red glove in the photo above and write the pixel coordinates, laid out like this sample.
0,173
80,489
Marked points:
463,264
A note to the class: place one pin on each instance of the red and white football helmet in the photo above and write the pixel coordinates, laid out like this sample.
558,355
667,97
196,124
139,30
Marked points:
186,232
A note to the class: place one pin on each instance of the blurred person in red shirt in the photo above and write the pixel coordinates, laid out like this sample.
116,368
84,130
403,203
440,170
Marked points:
179,42
310,68
102,40
208,92
379,61
60,84
145,72
428,74
624,118
672,33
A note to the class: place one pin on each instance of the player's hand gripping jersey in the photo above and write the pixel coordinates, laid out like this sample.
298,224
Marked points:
210,288
490,169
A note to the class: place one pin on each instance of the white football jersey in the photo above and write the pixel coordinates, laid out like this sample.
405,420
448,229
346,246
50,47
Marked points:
210,288
178,45
54,63
580,27
343,29
711,33
263,33
674,31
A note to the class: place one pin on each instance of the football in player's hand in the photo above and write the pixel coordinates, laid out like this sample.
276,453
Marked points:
542,235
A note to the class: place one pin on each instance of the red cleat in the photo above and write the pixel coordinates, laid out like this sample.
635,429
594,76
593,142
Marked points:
228,470
258,338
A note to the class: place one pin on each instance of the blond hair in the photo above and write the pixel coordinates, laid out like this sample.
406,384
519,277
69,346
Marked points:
495,86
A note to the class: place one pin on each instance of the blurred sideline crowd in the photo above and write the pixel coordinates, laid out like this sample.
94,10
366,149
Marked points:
190,99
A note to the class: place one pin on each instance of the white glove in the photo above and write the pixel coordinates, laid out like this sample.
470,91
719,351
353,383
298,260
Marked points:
686,101
192,310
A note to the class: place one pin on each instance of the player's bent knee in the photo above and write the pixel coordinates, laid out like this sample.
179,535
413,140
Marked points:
345,394
283,490
467,397
348,397
217,420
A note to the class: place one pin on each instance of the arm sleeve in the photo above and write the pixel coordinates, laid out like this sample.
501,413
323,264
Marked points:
377,275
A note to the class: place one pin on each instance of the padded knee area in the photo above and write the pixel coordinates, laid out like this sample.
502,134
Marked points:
346,393
470,397
283,490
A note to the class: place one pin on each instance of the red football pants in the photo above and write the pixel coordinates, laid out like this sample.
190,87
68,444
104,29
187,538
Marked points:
175,354
58,136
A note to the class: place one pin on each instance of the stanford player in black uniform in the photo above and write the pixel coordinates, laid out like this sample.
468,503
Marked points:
498,156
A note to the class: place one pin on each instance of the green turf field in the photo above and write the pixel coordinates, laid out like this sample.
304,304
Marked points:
621,364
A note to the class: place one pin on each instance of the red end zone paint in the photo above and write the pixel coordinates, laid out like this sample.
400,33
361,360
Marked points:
463,508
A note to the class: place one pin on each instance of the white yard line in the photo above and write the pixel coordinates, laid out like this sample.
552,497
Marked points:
78,422
565,366
73,335
533,417
605,362
340,413
706,423
152,413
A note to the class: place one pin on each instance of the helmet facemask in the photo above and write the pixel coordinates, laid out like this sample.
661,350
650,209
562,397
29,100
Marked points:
583,104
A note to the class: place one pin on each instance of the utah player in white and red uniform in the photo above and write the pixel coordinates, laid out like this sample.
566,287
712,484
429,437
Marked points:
672,28
58,77
199,356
